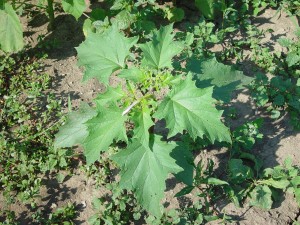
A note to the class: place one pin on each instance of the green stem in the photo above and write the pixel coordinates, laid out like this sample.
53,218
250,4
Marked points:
206,200
50,11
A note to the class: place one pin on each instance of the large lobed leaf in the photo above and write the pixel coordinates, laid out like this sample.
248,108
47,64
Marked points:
107,126
144,170
225,78
102,54
74,131
158,52
11,34
188,108
74,7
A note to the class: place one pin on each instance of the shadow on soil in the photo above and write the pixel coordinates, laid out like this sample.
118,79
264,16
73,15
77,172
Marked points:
61,42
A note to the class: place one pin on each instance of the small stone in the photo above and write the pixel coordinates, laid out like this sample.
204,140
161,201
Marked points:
53,206
83,203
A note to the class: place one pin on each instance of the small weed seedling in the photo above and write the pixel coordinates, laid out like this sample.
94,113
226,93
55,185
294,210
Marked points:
118,208
29,117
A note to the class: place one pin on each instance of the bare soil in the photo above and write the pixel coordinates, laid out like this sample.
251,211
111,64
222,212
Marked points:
279,142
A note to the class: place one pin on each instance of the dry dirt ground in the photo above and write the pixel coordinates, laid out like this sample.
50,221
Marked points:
279,142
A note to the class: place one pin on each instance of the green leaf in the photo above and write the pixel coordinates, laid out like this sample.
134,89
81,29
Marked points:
275,114
158,52
144,170
111,96
206,7
296,182
211,218
94,220
118,5
288,163
280,184
123,20
188,108
210,8
87,27
257,161
184,191
298,82
74,131
144,26
11,34
174,14
134,74
238,171
293,58
60,177
102,54
261,196
52,163
98,14
97,203
189,39
74,7
225,78
297,195
107,126
142,121
256,11
296,186
199,219
216,181
284,42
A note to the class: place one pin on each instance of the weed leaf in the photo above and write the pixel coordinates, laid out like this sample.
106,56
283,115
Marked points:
216,181
111,96
134,74
296,186
107,126
11,34
238,171
280,184
184,191
293,58
188,108
144,170
102,54
74,131
74,7
225,78
261,197
158,52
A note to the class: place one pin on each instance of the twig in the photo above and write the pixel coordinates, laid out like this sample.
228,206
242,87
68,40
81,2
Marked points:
127,110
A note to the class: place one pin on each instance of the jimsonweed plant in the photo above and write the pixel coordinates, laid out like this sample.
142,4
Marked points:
130,115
